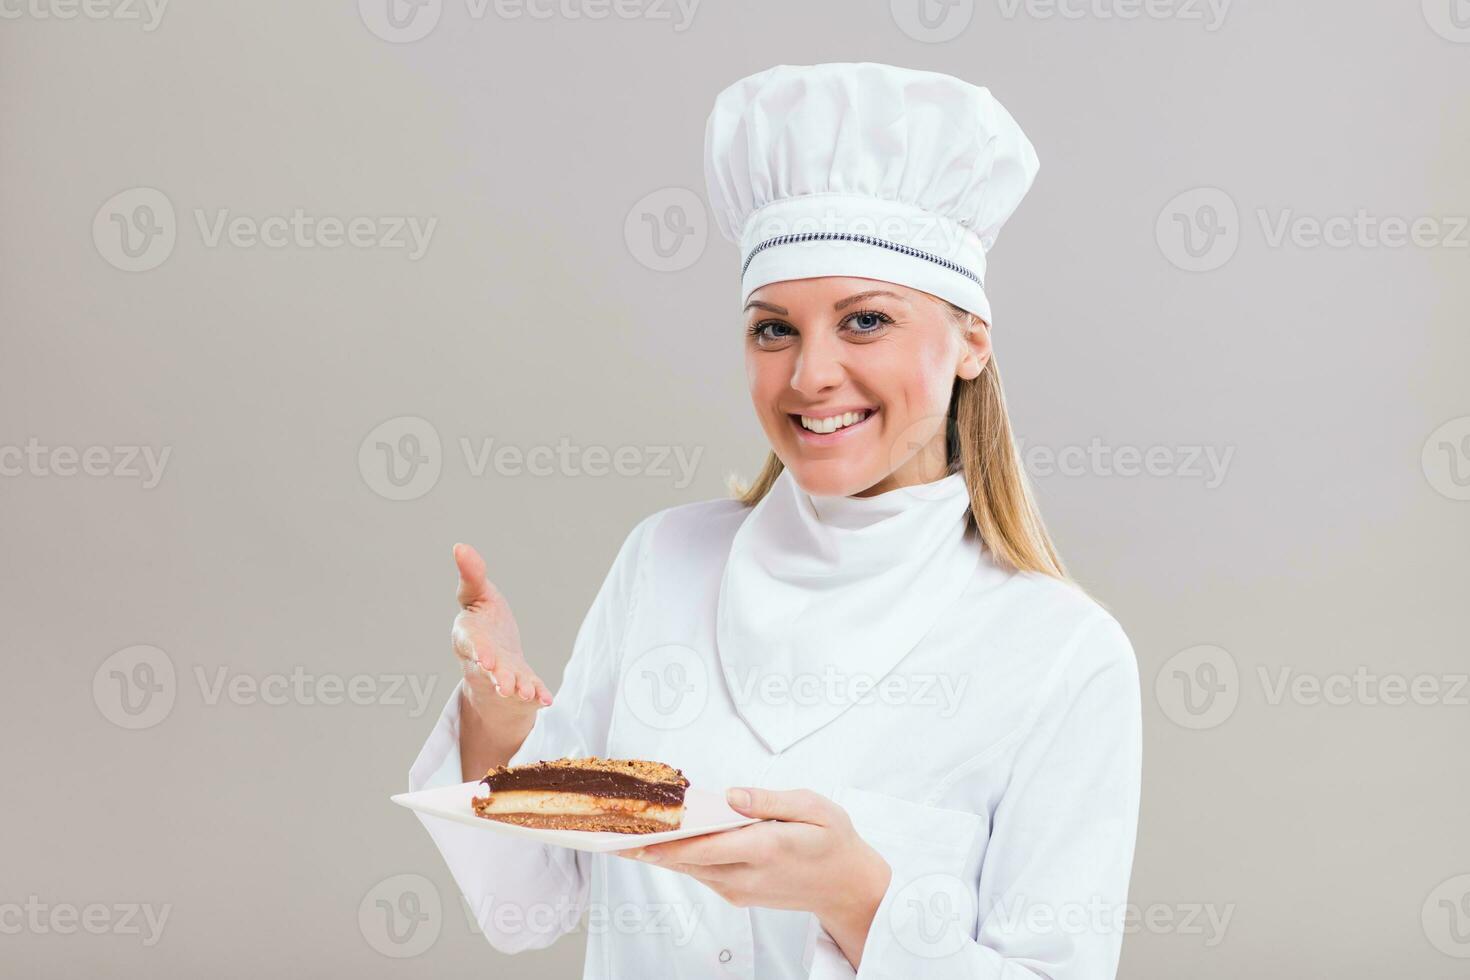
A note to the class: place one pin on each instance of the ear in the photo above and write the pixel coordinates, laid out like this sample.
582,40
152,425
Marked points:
975,352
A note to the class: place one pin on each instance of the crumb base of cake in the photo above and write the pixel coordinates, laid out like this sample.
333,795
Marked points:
615,823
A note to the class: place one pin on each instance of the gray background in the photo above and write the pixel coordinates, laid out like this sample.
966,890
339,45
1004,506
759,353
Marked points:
1331,834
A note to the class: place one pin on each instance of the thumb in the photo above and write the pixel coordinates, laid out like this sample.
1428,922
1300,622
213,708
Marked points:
798,805
474,587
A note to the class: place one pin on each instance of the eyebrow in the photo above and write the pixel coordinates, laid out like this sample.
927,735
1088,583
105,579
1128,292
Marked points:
859,297
839,306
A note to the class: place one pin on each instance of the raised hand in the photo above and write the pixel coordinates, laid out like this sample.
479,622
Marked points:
501,691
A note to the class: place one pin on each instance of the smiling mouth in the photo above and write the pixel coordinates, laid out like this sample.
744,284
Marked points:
813,425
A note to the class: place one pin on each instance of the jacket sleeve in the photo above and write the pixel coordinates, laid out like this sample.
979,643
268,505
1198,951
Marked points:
1053,887
525,895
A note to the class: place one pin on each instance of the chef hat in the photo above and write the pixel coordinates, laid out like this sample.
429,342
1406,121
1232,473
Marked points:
866,170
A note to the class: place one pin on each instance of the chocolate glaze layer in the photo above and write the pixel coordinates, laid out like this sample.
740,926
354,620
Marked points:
590,782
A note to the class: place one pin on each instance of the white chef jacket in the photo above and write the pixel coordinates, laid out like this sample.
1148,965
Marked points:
996,768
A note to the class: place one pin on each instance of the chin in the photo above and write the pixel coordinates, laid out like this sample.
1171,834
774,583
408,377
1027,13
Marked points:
831,478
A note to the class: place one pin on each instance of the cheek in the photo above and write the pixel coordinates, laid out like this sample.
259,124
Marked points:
763,378
917,385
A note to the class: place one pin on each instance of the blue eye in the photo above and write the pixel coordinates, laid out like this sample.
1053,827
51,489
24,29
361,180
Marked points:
868,321
771,330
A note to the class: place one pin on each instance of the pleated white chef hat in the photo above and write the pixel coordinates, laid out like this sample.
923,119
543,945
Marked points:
866,170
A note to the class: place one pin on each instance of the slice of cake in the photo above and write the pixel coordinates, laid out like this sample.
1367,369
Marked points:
624,796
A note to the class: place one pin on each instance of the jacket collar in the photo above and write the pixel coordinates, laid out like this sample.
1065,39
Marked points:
822,597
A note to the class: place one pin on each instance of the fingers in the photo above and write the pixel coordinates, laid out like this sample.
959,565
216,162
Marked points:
710,875
801,805
521,684
482,667
505,679
728,848
474,588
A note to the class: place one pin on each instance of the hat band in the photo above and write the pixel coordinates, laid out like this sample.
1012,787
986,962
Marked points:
840,236
857,236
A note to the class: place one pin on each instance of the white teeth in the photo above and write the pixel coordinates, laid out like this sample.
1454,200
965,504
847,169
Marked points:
834,422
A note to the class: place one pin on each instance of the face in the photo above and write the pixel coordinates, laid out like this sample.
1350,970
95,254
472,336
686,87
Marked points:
851,379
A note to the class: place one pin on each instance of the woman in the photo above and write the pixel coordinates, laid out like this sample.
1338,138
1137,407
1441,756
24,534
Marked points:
876,645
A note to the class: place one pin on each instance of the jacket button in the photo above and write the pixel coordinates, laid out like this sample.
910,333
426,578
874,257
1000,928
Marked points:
724,956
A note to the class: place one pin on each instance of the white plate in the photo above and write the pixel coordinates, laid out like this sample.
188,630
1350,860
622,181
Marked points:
705,812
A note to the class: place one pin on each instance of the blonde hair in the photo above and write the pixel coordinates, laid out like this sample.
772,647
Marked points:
979,443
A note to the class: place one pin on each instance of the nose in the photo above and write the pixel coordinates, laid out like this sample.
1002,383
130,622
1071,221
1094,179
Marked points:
818,368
